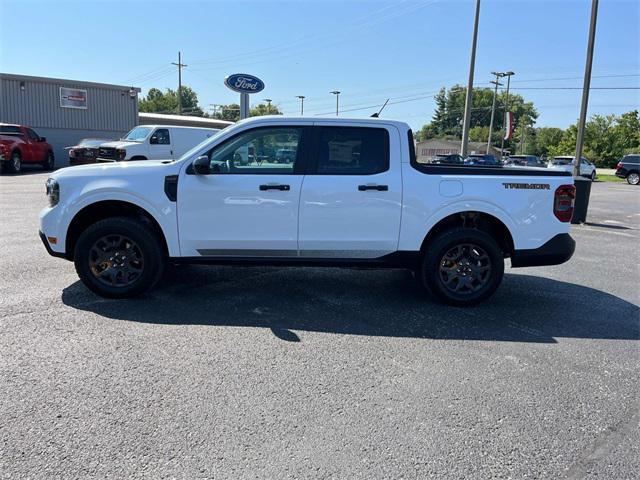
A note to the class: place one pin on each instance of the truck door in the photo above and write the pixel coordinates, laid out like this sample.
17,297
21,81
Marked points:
243,209
36,148
351,201
160,145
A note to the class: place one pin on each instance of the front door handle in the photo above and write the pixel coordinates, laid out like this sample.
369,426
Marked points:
272,186
380,188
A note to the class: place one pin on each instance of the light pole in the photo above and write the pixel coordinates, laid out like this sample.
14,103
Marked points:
337,94
493,106
469,98
506,110
268,100
301,97
585,87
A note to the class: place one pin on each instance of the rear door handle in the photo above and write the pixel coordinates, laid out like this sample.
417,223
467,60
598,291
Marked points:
272,186
380,188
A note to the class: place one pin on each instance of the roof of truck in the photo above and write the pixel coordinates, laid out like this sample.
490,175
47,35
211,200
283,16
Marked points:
338,120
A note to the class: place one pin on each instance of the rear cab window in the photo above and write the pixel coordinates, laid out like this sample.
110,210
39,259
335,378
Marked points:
352,151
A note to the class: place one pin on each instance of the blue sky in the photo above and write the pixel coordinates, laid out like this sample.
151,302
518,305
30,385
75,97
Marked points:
370,50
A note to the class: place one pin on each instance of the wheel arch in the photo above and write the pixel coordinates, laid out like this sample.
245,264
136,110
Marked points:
138,157
474,219
103,209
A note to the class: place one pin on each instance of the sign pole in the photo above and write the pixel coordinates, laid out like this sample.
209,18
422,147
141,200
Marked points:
244,105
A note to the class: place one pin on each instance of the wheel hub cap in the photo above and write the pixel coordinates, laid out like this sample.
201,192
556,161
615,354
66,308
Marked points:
116,260
465,269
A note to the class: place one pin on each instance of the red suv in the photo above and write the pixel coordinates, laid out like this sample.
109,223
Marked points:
21,145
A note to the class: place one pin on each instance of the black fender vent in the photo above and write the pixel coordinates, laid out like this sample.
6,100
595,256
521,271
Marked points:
171,187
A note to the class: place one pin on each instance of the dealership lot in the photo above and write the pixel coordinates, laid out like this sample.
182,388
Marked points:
229,372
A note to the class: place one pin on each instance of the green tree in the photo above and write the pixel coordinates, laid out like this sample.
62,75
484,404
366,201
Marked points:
606,138
448,116
230,113
264,109
546,137
158,102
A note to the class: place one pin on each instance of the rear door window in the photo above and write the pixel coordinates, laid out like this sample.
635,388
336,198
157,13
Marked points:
352,151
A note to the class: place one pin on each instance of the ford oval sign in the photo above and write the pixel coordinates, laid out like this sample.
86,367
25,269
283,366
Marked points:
243,83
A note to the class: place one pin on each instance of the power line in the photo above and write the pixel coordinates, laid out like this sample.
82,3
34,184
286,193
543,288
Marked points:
358,24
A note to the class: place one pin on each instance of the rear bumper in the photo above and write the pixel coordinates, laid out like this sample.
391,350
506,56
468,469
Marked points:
554,252
621,173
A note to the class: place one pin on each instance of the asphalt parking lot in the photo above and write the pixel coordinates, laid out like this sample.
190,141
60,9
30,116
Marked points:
225,372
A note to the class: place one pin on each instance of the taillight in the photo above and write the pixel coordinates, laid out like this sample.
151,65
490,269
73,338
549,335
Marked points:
563,202
619,166
121,153
72,153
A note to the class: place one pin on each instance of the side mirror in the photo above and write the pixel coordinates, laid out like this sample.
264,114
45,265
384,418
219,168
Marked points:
202,165
153,140
43,139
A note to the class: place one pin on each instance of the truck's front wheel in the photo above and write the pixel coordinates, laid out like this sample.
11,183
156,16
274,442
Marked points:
118,258
463,266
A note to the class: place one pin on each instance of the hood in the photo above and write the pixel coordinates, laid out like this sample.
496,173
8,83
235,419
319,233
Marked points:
118,169
120,144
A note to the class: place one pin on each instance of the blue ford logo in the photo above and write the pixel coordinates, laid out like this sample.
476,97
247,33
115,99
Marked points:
244,83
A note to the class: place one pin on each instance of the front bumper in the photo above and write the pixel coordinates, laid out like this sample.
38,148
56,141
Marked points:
48,247
554,252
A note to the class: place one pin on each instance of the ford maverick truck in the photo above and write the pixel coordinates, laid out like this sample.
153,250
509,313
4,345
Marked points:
351,194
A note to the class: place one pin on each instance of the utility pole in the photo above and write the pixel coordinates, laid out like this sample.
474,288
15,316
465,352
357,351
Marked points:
301,97
493,106
506,110
337,94
180,66
469,98
268,100
585,88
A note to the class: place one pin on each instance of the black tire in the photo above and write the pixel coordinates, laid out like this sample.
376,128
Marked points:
49,162
485,261
150,258
593,176
633,178
14,165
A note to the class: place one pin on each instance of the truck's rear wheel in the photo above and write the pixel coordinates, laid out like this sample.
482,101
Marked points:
633,178
49,162
118,258
463,267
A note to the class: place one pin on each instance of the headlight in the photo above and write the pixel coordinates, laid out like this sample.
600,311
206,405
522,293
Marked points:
53,192
121,153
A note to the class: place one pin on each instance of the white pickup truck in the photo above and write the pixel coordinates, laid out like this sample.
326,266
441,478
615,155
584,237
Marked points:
354,195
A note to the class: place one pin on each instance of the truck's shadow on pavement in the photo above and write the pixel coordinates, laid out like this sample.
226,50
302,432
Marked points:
381,303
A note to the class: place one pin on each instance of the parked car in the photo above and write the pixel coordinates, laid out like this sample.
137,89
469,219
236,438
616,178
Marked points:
285,155
357,197
482,159
524,161
629,168
566,163
20,145
450,159
154,142
86,151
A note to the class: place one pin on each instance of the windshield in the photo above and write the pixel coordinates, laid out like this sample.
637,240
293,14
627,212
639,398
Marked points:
138,134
